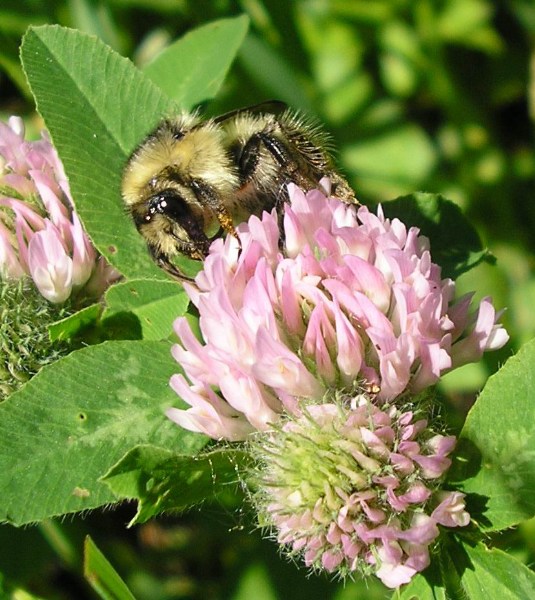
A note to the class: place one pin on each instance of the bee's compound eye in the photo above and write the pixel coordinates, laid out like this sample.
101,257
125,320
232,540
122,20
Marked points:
169,203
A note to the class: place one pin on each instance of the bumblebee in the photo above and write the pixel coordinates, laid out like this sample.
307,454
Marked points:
191,180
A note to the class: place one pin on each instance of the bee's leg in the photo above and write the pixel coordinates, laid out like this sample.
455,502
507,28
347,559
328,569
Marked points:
164,262
196,249
208,197
247,158
340,188
289,166
248,162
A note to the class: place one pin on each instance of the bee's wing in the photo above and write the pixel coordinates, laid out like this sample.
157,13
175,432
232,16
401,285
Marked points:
274,107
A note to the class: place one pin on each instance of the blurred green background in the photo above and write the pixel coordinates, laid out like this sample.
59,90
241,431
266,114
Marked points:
434,95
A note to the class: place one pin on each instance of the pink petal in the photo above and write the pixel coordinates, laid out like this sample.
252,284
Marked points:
83,254
392,573
319,337
245,395
485,336
350,348
208,413
50,267
280,368
451,511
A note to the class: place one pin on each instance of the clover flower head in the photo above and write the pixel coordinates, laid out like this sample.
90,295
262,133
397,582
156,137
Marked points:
351,300
352,488
40,232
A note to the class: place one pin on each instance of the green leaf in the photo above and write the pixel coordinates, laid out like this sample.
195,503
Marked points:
469,22
162,480
256,581
75,419
495,573
462,571
455,244
69,327
399,58
193,68
272,73
97,107
495,456
420,588
399,157
156,304
96,18
103,578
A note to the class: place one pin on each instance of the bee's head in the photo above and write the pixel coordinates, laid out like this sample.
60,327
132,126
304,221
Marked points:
171,224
